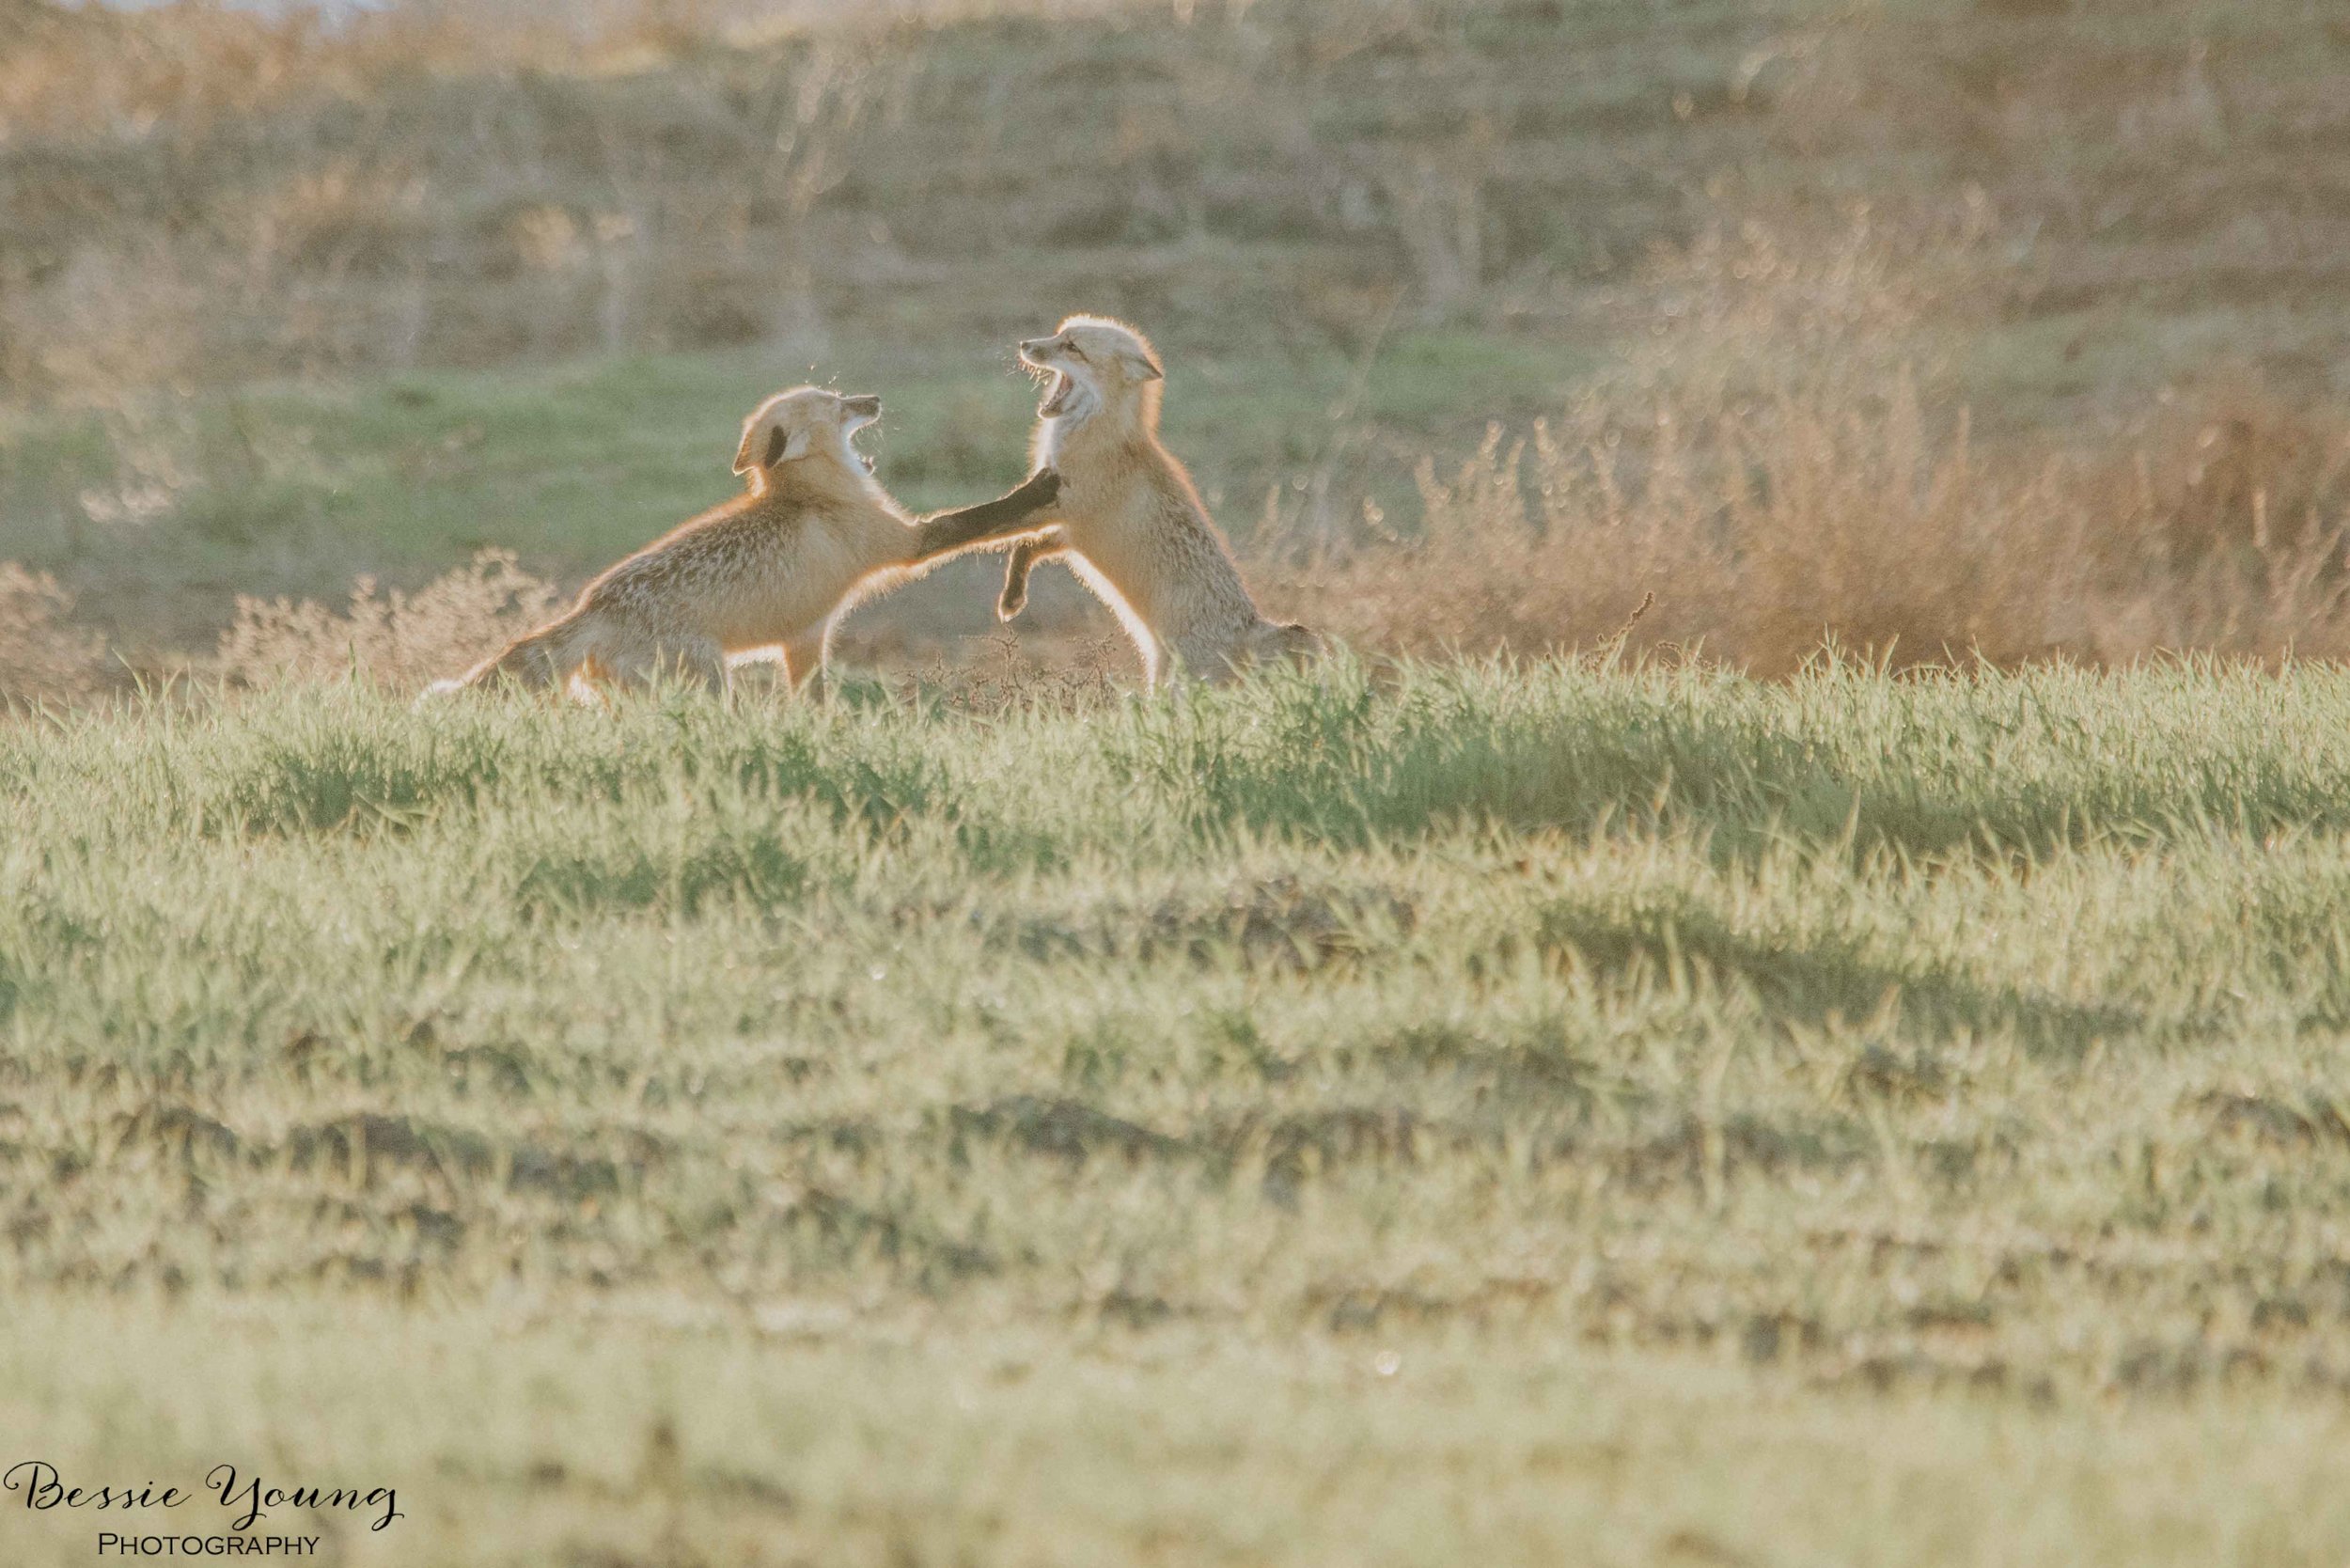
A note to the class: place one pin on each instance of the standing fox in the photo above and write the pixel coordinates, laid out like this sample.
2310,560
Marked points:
777,566
1129,521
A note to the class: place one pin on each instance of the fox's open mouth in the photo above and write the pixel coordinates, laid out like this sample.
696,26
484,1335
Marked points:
1056,396
863,457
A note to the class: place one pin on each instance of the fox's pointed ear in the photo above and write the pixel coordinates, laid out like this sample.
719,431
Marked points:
778,447
1144,367
743,453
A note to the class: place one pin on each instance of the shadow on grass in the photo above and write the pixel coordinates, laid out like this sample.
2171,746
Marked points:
328,770
1821,975
1840,756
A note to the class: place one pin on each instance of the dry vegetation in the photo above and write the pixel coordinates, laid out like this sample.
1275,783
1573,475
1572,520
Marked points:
1776,491
399,639
44,657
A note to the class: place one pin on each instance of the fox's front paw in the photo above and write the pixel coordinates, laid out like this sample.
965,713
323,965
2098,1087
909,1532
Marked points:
1011,601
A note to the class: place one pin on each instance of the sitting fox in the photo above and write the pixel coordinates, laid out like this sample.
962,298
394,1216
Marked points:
775,567
1129,521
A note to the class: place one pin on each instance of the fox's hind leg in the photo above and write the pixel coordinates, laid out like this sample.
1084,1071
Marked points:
699,660
803,660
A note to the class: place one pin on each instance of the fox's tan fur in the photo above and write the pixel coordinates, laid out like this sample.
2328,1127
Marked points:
774,568
1129,521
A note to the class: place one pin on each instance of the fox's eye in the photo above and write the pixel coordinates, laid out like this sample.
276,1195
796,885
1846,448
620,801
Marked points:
1073,350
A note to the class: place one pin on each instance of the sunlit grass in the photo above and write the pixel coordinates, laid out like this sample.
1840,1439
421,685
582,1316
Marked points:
1719,1105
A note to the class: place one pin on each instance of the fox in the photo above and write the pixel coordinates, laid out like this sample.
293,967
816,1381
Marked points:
1129,522
813,535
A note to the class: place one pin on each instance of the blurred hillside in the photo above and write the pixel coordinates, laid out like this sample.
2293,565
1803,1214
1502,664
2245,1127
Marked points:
192,194
282,301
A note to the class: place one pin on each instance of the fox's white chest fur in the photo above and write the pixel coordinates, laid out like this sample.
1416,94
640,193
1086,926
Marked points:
1050,434
1082,526
1141,543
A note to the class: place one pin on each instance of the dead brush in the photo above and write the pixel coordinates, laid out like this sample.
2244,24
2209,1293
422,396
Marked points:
44,657
401,640
66,70
1779,479
1010,677
2233,473
1765,534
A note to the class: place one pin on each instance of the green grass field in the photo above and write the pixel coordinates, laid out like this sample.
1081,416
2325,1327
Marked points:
1498,1116
293,489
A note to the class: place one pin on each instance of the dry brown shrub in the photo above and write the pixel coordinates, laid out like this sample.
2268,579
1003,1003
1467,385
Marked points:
2238,469
1010,674
1767,532
44,657
66,69
399,639
1779,478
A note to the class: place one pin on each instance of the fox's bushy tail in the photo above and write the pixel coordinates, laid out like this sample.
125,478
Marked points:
1290,641
546,658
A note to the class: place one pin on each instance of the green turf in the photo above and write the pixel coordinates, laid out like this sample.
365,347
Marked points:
295,489
1513,1116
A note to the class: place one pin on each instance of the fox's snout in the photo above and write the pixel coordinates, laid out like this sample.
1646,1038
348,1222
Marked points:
1033,349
